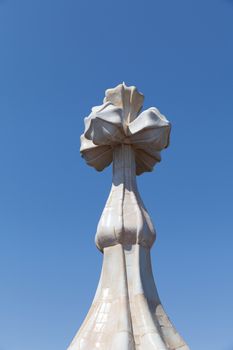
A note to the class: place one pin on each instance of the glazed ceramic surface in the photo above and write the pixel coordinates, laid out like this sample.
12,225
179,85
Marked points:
126,313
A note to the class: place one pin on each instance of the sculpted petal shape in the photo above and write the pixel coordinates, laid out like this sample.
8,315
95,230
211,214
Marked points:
152,128
104,125
127,98
98,157
146,157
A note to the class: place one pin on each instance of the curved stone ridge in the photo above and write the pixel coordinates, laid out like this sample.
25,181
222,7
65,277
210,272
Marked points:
119,121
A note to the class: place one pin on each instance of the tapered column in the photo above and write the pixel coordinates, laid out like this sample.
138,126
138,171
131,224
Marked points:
124,219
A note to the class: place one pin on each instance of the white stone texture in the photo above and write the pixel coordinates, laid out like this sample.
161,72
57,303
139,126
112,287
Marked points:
119,121
126,313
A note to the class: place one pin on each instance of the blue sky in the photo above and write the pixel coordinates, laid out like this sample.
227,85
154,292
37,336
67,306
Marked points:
57,58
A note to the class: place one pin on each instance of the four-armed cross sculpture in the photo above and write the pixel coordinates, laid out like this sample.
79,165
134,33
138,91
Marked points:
126,313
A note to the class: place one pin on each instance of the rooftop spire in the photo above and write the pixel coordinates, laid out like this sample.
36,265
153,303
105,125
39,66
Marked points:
126,313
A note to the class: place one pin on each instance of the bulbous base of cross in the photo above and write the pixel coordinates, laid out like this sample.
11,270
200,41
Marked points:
126,313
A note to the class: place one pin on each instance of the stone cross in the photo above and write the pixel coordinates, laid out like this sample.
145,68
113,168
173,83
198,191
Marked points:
126,313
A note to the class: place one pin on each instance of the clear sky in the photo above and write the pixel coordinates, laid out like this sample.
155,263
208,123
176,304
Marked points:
57,58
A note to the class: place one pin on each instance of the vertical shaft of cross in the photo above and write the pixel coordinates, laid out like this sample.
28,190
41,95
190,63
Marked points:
124,170
124,219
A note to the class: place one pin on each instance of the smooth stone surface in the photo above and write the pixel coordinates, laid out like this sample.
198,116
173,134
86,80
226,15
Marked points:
126,313
119,121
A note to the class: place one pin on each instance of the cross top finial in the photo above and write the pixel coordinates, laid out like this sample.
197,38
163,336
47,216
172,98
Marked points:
119,120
